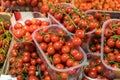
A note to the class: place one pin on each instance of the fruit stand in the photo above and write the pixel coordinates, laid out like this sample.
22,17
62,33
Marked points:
59,39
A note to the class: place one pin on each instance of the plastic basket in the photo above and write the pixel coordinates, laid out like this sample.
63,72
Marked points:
116,71
25,16
54,72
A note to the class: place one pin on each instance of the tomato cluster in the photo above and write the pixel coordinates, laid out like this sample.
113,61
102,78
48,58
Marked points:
95,69
73,19
109,5
24,61
23,31
112,44
5,39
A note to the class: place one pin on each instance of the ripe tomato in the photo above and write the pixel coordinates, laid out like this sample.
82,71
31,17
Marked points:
118,57
2,58
34,55
57,60
99,68
18,25
59,66
78,56
93,25
33,62
50,50
73,52
92,74
117,44
56,55
39,61
58,16
42,67
26,58
47,78
70,44
31,72
46,73
108,32
43,46
33,78
75,63
70,27
47,38
26,53
69,63
80,33
110,42
57,45
32,67
65,49
107,49
77,41
64,75
39,38
28,22
54,38
64,57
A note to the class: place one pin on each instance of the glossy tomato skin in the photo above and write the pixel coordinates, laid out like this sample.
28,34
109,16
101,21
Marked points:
110,42
77,41
117,44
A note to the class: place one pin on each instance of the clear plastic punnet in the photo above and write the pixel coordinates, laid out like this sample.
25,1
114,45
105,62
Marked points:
73,72
109,65
27,16
55,21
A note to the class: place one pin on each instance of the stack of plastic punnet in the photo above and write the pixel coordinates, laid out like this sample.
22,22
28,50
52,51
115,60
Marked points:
73,72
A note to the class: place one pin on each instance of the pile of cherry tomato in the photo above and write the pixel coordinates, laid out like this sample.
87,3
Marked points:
61,50
24,61
110,5
5,38
112,44
24,31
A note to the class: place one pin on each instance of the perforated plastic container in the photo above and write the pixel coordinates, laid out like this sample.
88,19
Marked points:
55,72
116,71
24,17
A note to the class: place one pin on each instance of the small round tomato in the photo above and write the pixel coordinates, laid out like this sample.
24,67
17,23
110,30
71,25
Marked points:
99,68
54,38
39,38
108,32
98,32
117,44
92,74
32,67
47,77
107,49
26,58
58,16
50,50
42,67
57,45
111,56
46,73
33,78
70,44
77,41
31,72
73,52
70,27
110,42
43,46
26,53
64,75
64,57
39,61
28,22
78,56
80,33
33,54
33,62
19,77
59,66
14,53
93,25
75,63
56,55
57,60
69,62
47,38
118,57
18,25
65,49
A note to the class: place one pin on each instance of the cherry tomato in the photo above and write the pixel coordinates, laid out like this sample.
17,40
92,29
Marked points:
65,49
57,45
43,46
50,50
64,57
69,62
80,33
78,56
59,66
57,60
110,42
77,41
